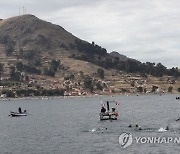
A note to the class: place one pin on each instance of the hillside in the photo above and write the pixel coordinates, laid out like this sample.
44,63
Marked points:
29,32
38,55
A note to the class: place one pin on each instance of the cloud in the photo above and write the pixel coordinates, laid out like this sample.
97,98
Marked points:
141,29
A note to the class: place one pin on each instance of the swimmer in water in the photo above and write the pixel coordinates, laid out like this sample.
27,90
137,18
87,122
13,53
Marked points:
136,125
167,128
130,125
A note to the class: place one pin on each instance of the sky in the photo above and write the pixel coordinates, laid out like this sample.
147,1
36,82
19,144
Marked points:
146,30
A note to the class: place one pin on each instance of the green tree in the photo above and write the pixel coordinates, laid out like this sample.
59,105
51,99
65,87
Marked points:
19,66
49,72
99,86
140,89
9,49
1,69
12,71
100,73
9,93
16,76
88,84
55,64
170,89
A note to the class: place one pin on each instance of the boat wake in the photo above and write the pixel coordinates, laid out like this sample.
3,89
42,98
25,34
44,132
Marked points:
99,130
162,129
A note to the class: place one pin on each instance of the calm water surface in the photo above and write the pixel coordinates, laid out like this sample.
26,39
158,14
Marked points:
64,125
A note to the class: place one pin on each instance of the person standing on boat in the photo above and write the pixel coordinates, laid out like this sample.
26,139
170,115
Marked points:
20,111
113,109
103,110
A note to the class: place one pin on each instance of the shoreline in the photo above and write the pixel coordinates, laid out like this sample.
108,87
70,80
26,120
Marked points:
86,96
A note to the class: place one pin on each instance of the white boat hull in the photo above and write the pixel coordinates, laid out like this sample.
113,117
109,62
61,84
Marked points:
108,116
16,114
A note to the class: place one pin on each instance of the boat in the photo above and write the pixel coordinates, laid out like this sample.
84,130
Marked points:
109,115
17,114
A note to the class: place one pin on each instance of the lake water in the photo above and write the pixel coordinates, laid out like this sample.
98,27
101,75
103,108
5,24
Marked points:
72,126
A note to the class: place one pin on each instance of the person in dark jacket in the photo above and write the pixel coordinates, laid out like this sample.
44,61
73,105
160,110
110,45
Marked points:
103,110
20,111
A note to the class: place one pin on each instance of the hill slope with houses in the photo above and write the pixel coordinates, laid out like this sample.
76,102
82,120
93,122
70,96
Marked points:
40,58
